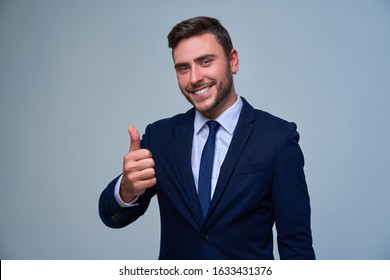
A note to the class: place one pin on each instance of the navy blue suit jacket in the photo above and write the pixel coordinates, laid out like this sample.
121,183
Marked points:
261,182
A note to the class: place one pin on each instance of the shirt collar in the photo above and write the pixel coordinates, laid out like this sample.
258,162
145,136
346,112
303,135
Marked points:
228,119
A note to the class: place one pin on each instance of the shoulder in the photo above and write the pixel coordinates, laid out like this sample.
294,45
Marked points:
163,131
263,119
266,126
173,122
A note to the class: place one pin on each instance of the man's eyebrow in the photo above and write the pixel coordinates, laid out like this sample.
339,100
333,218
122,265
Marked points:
209,56
181,64
198,59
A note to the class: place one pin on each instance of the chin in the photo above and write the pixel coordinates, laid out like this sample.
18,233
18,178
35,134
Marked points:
208,111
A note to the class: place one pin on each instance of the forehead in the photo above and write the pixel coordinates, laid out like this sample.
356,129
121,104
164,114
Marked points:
196,46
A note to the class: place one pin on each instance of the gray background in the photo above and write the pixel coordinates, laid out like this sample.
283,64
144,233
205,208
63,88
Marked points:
74,74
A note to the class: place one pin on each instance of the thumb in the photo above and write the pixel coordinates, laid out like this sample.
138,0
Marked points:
135,139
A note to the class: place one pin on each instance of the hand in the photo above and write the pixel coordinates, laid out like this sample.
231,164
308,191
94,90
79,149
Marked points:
138,169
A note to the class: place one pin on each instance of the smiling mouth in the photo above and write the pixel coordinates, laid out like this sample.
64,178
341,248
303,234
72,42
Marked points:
201,91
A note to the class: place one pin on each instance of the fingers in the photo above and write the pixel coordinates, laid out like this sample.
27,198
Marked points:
141,180
138,161
138,174
135,139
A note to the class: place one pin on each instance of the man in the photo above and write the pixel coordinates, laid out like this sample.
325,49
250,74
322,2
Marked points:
223,207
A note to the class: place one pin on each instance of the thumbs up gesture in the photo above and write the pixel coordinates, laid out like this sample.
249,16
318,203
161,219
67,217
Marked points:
138,168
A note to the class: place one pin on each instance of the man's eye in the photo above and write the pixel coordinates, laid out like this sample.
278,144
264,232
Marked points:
182,69
206,61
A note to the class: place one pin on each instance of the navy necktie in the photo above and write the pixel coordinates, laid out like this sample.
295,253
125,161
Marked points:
206,168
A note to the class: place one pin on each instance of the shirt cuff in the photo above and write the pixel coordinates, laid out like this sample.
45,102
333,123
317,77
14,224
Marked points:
118,197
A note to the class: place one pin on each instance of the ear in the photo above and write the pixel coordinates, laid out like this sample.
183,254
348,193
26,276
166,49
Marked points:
234,62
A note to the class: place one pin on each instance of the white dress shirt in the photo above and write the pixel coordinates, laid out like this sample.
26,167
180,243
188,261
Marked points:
228,121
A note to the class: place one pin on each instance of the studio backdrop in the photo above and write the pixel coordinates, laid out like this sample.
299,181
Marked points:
75,74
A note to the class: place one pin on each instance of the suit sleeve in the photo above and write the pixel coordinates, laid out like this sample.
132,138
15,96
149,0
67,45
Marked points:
291,199
115,216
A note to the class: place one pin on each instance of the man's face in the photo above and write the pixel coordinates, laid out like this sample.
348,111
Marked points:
204,74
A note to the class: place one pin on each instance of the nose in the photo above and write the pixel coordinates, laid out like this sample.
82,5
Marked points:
196,75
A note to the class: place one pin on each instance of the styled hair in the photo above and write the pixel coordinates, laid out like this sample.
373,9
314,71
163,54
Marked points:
199,26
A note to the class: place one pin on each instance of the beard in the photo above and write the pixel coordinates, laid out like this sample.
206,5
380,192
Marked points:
223,90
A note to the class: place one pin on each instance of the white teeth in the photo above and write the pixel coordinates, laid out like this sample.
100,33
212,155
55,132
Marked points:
202,90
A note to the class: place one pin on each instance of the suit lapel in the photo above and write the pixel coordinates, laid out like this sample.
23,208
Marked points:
183,143
241,134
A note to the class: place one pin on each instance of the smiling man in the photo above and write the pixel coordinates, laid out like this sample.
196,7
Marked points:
224,173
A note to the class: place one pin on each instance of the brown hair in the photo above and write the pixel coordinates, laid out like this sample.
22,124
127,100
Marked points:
198,26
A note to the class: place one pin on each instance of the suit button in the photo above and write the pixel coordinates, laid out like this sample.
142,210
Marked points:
204,236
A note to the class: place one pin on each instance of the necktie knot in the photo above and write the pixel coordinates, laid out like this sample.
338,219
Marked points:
213,126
